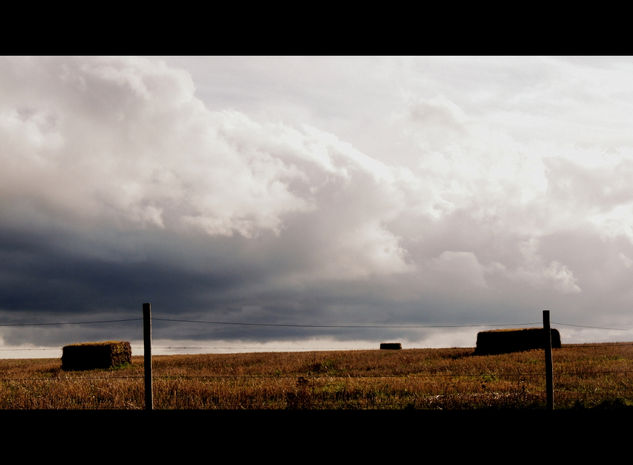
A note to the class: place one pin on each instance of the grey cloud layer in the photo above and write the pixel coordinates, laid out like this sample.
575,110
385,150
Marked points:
123,184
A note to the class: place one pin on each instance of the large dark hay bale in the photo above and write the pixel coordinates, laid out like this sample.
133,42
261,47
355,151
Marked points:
390,346
91,355
498,341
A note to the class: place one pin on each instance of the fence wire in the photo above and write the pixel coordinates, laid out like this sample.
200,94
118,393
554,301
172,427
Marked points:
518,376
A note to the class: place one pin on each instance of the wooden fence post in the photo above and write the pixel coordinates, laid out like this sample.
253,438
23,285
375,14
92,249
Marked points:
549,382
147,339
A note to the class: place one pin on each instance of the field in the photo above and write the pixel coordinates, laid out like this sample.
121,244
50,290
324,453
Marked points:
585,377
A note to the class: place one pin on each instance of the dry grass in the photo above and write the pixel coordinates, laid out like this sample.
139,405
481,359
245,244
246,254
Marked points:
584,376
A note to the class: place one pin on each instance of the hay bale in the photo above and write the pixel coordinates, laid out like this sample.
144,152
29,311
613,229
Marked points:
498,341
390,346
91,355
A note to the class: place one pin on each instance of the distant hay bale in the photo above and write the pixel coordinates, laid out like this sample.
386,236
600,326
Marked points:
390,346
91,355
498,341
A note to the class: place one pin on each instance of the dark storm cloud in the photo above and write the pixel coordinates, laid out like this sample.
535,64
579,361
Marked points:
43,277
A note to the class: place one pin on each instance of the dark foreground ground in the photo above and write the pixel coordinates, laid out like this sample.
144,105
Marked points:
307,436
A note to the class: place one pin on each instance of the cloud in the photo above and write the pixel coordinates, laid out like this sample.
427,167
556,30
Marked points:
106,153
540,274
126,140
474,191
458,269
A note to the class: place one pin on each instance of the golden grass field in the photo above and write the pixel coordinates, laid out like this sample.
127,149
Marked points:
585,376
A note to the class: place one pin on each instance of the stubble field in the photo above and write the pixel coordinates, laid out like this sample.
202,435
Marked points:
585,376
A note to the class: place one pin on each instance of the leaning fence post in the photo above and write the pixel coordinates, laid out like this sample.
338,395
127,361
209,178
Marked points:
147,339
549,382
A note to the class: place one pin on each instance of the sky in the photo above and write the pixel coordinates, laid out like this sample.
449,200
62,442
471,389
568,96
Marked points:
313,202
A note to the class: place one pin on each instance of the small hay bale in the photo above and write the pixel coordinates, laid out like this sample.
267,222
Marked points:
390,346
91,355
498,341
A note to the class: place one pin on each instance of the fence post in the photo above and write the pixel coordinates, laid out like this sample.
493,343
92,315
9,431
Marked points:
147,340
549,382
